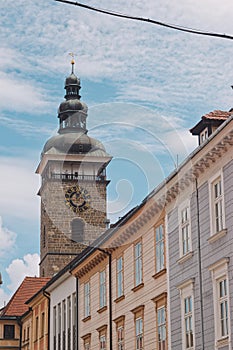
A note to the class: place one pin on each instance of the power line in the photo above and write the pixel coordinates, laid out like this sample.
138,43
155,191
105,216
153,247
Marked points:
142,19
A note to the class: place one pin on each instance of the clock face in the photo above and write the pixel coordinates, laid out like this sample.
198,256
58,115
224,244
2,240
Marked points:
78,199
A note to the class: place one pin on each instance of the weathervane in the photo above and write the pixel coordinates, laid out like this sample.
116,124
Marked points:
72,60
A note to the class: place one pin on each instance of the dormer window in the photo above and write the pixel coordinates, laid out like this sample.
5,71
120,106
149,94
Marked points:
203,135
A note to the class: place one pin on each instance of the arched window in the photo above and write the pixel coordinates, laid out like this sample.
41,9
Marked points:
77,230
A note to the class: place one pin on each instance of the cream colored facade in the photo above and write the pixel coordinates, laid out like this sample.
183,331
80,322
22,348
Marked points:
35,326
139,310
8,342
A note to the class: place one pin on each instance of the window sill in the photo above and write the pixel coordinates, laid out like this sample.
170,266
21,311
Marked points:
185,257
217,236
159,273
139,286
102,309
85,319
117,300
222,342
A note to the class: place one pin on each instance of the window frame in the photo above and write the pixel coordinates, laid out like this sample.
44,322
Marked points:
204,134
87,299
219,272
187,291
139,331
160,262
138,264
102,289
120,325
162,328
213,201
6,329
120,277
185,224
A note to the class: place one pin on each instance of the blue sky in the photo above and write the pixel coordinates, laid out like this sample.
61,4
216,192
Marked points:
145,87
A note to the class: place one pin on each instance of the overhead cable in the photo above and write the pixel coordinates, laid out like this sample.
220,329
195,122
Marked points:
142,19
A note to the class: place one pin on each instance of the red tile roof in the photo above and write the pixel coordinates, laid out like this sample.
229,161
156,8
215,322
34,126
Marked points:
219,115
30,286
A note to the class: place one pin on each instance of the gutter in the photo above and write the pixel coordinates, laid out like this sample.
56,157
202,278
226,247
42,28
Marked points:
47,295
200,268
20,331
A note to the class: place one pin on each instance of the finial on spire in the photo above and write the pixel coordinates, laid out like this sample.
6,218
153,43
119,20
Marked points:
72,61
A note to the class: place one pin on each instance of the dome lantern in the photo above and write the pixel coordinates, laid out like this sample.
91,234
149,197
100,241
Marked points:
72,113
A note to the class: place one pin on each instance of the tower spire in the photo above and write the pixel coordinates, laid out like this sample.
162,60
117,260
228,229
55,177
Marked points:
72,62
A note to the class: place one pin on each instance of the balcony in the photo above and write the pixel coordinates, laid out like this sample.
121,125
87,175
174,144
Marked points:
76,177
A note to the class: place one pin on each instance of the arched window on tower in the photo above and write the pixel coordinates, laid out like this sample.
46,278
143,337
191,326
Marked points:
77,230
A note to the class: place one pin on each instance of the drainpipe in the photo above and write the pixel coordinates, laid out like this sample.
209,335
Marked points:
200,268
77,318
20,332
47,295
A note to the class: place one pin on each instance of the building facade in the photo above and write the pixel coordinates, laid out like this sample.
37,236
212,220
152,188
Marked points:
199,229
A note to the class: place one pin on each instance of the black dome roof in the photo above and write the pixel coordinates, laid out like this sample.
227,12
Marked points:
72,143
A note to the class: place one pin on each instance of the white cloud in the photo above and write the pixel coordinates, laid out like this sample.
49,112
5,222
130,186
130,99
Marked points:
20,268
21,95
7,239
18,195
4,297
17,270
167,69
25,127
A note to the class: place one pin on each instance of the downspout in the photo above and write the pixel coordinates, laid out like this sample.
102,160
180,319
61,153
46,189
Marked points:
110,298
77,318
200,268
20,332
47,295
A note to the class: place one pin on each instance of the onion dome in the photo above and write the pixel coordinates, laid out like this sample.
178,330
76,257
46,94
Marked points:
72,135
74,143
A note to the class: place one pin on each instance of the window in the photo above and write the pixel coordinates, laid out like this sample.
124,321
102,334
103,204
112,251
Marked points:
9,331
102,291
87,299
42,324
161,326
160,309
188,321
103,342
102,337
54,328
120,338
64,324
223,306
59,326
120,333
138,322
138,263
203,135
220,279
74,320
69,322
187,314
120,288
185,242
37,328
77,230
139,333
159,248
217,205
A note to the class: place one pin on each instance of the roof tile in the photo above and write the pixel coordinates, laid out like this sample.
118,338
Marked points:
30,285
